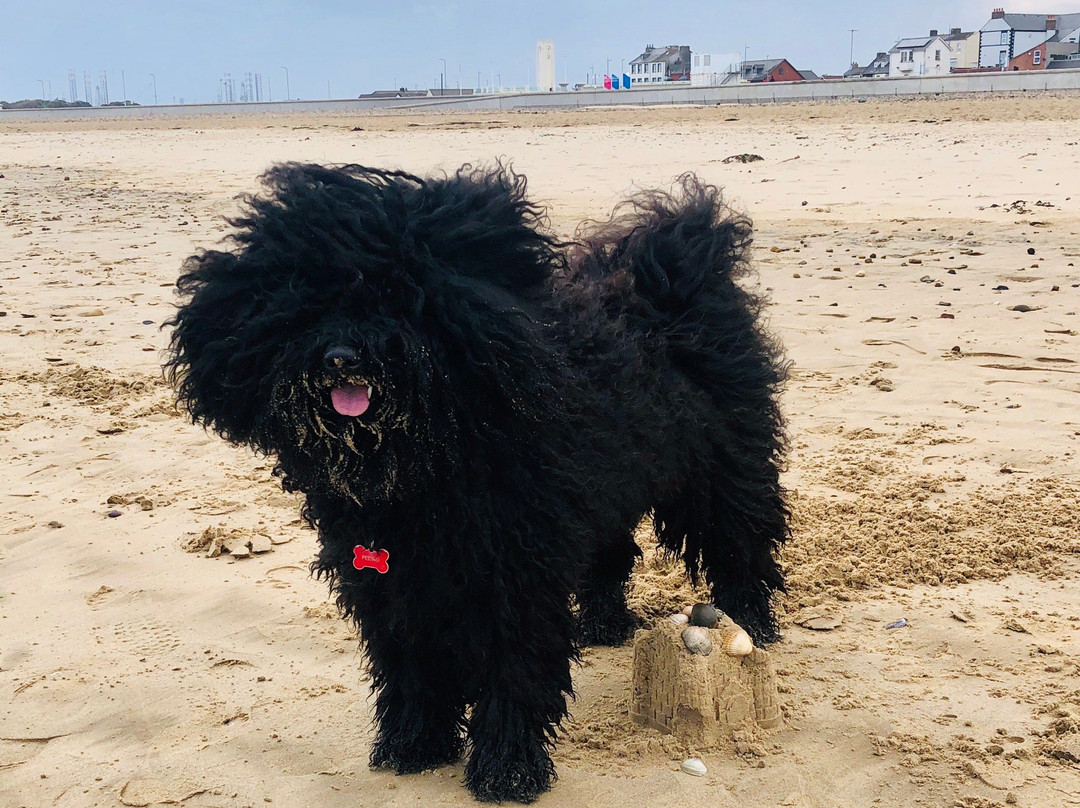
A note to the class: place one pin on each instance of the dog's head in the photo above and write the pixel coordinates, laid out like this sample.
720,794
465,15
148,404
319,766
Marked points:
367,324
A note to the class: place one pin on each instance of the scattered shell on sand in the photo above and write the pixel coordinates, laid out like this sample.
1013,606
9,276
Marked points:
697,640
679,619
704,614
735,641
688,610
694,766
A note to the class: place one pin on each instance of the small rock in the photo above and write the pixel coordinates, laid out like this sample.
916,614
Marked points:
704,615
884,385
901,623
113,514
1013,625
1023,307
1031,250
55,525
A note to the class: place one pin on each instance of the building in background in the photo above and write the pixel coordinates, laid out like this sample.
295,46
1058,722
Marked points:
671,63
964,47
879,66
714,68
1006,36
920,56
545,66
770,70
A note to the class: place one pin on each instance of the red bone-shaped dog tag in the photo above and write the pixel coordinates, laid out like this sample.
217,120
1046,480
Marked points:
376,559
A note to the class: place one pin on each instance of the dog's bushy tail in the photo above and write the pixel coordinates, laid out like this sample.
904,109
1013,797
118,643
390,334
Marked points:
676,256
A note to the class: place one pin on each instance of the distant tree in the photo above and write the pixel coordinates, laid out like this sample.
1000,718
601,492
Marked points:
37,103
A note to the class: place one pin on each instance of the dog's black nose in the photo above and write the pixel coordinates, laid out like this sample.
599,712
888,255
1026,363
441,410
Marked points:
338,357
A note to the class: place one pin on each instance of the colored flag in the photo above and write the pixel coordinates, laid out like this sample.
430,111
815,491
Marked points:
625,81
614,82
607,82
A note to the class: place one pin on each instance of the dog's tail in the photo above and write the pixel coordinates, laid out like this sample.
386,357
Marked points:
670,261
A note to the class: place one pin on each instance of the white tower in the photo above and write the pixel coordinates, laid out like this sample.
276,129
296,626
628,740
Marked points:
545,65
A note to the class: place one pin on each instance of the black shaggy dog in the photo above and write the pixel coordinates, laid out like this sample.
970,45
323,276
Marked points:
478,416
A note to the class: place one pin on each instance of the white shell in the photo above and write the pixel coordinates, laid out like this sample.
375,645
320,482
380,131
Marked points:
679,619
687,610
697,640
694,766
735,641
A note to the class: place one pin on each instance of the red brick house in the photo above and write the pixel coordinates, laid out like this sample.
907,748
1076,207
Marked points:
1040,56
770,70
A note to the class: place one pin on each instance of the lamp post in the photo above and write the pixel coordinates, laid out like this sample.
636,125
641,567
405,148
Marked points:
288,93
153,78
851,55
42,83
442,78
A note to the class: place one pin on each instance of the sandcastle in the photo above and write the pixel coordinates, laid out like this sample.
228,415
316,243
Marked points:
700,699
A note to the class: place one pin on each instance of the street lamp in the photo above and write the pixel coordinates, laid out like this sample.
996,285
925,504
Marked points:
154,79
442,78
288,94
42,83
851,55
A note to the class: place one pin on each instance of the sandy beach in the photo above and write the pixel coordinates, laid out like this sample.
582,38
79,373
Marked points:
921,261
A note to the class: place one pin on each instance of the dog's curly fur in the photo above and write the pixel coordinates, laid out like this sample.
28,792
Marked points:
530,401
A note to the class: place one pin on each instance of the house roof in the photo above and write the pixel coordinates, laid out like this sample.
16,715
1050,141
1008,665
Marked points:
914,43
652,54
809,75
958,37
1037,22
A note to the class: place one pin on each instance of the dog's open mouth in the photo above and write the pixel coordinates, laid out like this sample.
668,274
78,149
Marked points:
351,399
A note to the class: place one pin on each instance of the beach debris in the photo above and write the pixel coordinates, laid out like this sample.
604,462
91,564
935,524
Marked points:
1023,308
1031,250
901,623
679,619
705,615
743,158
882,384
735,641
1015,625
55,525
113,514
696,639
693,766
818,620
95,312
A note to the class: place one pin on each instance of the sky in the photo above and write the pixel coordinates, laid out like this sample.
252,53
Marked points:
333,48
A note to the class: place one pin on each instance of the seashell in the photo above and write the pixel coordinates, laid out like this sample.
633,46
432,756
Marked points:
697,640
735,641
679,619
705,615
694,766
687,610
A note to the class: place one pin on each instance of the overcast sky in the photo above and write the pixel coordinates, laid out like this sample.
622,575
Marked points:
361,46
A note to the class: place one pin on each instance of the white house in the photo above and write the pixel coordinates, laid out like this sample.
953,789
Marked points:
671,63
713,69
920,56
1009,35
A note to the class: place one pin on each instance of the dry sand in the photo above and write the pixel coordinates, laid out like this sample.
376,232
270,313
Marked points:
933,469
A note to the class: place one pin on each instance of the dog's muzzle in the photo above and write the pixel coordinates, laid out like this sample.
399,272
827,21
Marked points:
352,398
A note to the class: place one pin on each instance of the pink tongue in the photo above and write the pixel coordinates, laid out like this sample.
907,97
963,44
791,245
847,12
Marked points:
352,399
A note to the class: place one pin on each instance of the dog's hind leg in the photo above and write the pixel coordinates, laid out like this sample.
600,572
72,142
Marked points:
603,618
419,715
728,531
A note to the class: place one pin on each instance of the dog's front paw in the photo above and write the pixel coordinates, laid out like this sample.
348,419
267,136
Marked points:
418,755
521,776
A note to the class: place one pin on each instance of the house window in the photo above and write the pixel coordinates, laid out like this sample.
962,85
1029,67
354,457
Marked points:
781,70
1036,58
1004,37
697,60
708,60
1003,57
937,56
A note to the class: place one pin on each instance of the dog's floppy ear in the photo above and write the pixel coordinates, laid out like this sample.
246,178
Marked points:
479,223
222,345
